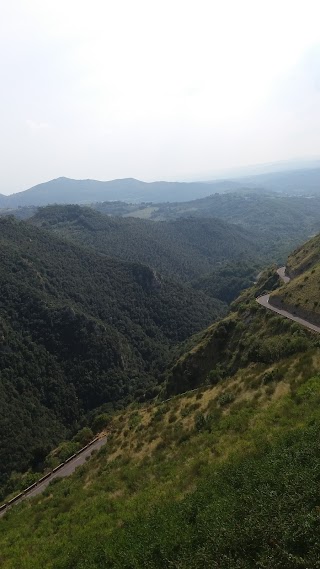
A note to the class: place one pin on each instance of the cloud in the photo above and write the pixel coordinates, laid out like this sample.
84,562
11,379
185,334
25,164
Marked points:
36,125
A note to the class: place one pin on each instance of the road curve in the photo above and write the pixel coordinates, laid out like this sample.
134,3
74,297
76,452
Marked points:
282,274
65,470
264,301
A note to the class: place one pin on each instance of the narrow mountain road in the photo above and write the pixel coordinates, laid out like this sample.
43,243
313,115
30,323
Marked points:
282,274
264,301
65,470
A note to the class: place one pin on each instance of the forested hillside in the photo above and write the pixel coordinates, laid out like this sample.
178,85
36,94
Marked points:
184,248
78,330
224,476
280,222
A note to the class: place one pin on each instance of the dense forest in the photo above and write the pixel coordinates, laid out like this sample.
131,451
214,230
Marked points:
78,330
276,222
184,248
280,222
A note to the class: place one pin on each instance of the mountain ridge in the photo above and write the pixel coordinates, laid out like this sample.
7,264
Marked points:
131,189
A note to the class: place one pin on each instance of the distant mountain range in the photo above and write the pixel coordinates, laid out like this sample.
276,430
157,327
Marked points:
65,190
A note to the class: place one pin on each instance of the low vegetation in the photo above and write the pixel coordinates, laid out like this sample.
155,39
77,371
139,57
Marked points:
215,477
250,334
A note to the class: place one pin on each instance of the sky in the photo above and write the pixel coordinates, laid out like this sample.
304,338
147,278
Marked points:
155,89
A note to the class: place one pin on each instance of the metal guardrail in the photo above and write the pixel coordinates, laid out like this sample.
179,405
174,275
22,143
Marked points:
26,491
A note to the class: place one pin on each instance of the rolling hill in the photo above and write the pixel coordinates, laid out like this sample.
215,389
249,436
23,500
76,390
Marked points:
65,190
280,222
184,249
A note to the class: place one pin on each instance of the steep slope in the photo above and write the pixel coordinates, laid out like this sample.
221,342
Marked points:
185,248
78,330
249,335
304,258
226,476
228,279
301,296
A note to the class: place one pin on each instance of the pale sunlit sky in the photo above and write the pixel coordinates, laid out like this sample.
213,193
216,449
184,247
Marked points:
155,89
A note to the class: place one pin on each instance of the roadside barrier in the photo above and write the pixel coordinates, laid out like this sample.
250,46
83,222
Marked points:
45,477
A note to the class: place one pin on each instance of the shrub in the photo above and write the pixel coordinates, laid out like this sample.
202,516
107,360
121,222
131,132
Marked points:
225,398
100,422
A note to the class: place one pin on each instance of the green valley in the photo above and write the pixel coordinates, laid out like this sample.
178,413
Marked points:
214,477
212,455
184,249
79,330
224,469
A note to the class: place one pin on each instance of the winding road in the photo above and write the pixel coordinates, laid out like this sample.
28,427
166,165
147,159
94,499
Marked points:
264,301
282,274
60,472
70,466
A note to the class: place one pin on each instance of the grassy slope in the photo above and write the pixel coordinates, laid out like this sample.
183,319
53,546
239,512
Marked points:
302,294
248,334
305,257
213,478
193,482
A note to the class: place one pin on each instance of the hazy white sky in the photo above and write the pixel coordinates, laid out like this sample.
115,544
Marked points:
155,89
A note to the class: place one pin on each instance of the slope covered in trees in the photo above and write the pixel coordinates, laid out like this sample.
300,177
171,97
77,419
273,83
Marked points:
78,330
224,476
280,222
184,248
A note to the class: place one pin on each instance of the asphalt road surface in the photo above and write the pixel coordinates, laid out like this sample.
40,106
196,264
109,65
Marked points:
264,301
282,274
65,470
